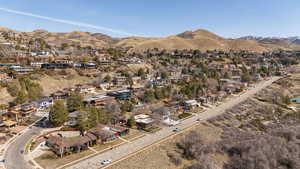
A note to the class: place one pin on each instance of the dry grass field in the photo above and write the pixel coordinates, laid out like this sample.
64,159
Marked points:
156,157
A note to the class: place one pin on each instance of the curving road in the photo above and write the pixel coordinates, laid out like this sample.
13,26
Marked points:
124,151
13,157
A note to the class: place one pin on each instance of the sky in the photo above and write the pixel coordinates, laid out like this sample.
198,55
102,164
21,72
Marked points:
155,18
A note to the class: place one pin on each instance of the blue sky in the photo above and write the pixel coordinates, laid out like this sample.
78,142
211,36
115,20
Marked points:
228,18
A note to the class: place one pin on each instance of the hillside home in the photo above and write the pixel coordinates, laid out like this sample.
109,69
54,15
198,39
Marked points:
4,76
121,94
89,65
73,117
60,95
55,66
37,64
98,100
21,112
85,89
40,53
64,61
44,103
22,70
119,81
105,62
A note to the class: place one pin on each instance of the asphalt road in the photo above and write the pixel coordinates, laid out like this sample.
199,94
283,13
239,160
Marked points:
124,151
13,157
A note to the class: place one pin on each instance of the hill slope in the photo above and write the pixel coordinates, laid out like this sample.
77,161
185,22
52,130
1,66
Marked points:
204,40
199,39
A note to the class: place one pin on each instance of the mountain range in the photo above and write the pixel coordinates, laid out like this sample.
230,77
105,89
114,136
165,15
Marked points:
198,39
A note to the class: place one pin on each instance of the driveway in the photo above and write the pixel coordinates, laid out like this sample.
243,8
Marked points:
124,151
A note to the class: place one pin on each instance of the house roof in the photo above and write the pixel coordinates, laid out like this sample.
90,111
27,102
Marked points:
9,123
191,102
68,142
17,129
161,111
74,114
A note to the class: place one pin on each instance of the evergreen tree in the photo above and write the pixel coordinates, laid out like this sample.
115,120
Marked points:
83,122
131,122
21,97
58,113
74,101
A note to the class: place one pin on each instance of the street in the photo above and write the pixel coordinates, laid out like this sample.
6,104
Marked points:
124,151
13,157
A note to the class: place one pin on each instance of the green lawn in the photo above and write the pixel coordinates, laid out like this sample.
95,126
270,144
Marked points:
184,115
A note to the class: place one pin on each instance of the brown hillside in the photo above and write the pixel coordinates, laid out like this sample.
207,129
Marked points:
199,39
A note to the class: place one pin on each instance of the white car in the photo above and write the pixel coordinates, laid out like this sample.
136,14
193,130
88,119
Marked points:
199,119
104,162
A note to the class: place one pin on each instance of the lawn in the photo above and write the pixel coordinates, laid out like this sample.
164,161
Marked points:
133,134
102,147
50,161
184,115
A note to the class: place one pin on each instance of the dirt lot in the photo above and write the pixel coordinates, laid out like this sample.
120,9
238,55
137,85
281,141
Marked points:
157,157
5,96
52,84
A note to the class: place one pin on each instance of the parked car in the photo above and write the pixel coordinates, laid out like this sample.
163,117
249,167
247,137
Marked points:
199,119
2,160
176,129
104,162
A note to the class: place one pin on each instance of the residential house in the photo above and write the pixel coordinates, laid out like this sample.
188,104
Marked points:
22,70
257,76
191,104
55,66
64,61
60,95
105,86
163,115
44,103
63,146
89,65
98,100
100,134
143,121
236,78
37,64
105,62
121,94
119,81
21,112
85,89
73,117
40,53
108,133
4,76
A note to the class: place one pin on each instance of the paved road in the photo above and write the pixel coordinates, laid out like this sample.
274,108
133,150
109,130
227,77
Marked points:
124,151
14,159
